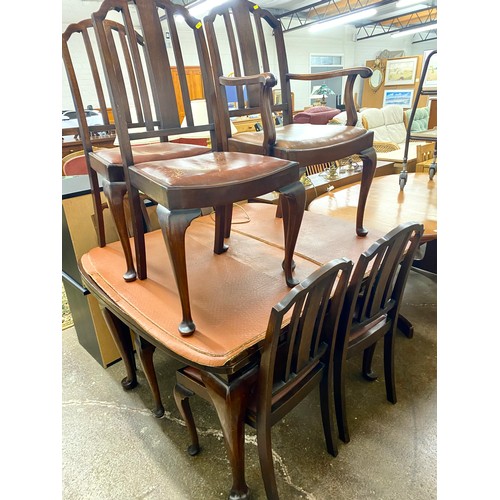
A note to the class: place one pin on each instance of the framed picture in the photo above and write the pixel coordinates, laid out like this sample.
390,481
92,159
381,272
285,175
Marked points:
402,98
431,75
401,71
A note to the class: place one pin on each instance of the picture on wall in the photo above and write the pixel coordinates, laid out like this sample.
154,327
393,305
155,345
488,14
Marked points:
401,71
402,98
431,75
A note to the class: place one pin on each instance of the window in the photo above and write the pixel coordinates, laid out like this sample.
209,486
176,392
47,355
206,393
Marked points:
328,62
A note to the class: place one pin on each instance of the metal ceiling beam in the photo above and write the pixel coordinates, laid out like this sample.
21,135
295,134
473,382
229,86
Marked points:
324,11
393,24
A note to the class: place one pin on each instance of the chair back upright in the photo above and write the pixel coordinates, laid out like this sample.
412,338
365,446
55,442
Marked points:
78,39
145,93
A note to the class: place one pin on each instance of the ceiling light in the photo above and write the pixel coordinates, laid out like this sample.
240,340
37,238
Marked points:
406,3
348,19
200,9
427,27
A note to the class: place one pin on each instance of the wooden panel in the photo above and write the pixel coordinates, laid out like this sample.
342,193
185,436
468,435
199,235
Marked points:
195,86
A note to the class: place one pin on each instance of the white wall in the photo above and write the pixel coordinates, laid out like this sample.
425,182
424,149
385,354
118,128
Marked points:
300,45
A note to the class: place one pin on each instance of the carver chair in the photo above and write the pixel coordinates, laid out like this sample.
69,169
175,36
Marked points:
296,358
247,29
183,187
77,40
371,311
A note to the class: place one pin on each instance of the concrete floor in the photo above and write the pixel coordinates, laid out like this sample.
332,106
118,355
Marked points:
113,447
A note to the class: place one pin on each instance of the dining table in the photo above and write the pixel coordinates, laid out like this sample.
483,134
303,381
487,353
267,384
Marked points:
231,295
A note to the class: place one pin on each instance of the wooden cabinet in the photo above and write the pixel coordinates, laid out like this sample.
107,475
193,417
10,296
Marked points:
195,86
246,124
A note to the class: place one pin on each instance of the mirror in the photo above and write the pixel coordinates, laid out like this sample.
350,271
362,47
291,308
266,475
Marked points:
376,79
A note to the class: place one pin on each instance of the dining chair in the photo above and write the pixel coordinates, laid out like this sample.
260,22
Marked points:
243,40
184,187
371,311
296,358
82,64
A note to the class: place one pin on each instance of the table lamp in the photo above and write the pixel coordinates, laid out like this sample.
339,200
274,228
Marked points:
322,91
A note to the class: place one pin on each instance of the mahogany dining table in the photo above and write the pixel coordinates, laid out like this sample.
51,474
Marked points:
231,294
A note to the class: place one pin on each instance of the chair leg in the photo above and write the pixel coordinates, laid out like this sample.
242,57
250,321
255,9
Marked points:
174,225
293,201
98,208
145,351
369,157
230,402
121,335
366,369
339,397
327,411
115,193
390,383
265,450
405,325
181,396
221,223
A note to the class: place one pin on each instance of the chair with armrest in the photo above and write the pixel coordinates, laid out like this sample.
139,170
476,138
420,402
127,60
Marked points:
371,311
246,29
79,39
296,358
183,187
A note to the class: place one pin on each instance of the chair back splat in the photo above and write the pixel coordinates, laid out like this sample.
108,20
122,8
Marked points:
296,358
147,109
371,310
253,35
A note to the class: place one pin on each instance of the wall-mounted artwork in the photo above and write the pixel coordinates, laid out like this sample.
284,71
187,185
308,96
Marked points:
431,76
402,98
401,71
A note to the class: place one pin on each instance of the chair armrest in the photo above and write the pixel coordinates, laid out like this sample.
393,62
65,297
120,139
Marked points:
351,73
267,81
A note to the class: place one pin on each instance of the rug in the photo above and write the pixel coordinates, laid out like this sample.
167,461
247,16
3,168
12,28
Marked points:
67,319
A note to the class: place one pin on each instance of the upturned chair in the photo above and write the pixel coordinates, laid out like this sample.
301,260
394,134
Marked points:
296,358
185,186
254,37
79,39
371,311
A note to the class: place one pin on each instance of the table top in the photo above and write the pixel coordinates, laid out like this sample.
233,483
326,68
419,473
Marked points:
387,206
231,294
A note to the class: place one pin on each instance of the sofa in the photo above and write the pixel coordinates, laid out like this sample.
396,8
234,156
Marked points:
388,125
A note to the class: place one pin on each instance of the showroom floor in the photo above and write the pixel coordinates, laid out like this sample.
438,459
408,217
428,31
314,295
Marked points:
113,447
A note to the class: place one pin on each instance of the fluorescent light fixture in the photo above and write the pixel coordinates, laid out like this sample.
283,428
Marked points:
427,27
350,18
406,3
202,8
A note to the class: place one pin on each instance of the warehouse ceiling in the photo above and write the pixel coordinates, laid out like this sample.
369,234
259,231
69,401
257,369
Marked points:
389,18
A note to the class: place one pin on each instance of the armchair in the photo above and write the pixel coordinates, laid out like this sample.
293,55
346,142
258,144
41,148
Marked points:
243,25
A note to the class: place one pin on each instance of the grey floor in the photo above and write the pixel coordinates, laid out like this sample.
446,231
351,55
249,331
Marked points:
113,447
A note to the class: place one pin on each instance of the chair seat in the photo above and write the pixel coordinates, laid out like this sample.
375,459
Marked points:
108,162
295,140
212,179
